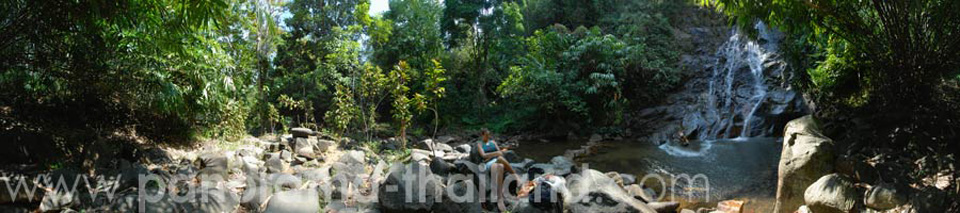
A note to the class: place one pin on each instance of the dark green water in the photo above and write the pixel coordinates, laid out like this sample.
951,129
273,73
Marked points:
743,169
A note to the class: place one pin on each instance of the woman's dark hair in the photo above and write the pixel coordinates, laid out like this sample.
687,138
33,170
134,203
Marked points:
485,135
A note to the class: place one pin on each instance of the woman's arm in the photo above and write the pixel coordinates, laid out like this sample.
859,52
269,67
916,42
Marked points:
487,155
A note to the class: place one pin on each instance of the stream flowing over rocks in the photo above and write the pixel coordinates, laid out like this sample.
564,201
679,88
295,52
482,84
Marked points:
312,173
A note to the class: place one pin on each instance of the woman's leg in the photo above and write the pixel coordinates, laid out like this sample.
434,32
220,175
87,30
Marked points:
496,171
508,168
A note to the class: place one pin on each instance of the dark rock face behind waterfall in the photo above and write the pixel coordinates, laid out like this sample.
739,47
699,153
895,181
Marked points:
735,87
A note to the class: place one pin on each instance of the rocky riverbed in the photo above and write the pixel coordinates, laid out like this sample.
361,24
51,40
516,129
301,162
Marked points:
304,172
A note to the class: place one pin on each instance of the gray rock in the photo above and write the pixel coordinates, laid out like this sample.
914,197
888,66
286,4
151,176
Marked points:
286,155
211,200
616,178
463,148
250,165
275,165
457,197
350,167
641,193
316,174
304,147
257,192
883,197
832,193
301,132
592,191
806,156
129,202
419,155
546,167
523,166
512,156
562,165
213,166
628,179
304,200
440,167
424,193
324,145
664,207
443,147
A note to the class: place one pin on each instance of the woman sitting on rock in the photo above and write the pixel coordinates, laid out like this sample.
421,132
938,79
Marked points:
494,162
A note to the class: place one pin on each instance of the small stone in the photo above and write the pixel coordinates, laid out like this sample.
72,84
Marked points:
730,206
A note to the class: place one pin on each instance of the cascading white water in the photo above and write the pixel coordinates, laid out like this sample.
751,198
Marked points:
737,87
741,94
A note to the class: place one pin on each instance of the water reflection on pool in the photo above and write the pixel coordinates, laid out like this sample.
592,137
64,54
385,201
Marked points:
744,169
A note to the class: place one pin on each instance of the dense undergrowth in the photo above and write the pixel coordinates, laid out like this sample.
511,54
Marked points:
78,77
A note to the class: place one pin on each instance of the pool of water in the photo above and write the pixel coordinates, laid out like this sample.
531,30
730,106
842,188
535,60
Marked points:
742,169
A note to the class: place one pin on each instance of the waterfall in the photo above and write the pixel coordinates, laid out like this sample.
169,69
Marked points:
738,86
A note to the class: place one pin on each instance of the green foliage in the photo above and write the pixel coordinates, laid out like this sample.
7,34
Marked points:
581,76
899,51
401,100
343,110
415,36
224,68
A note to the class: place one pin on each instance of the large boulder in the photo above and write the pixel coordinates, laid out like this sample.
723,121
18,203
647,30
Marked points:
806,156
303,200
832,193
563,165
883,197
396,194
593,191
213,166
440,167
351,164
304,147
459,196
